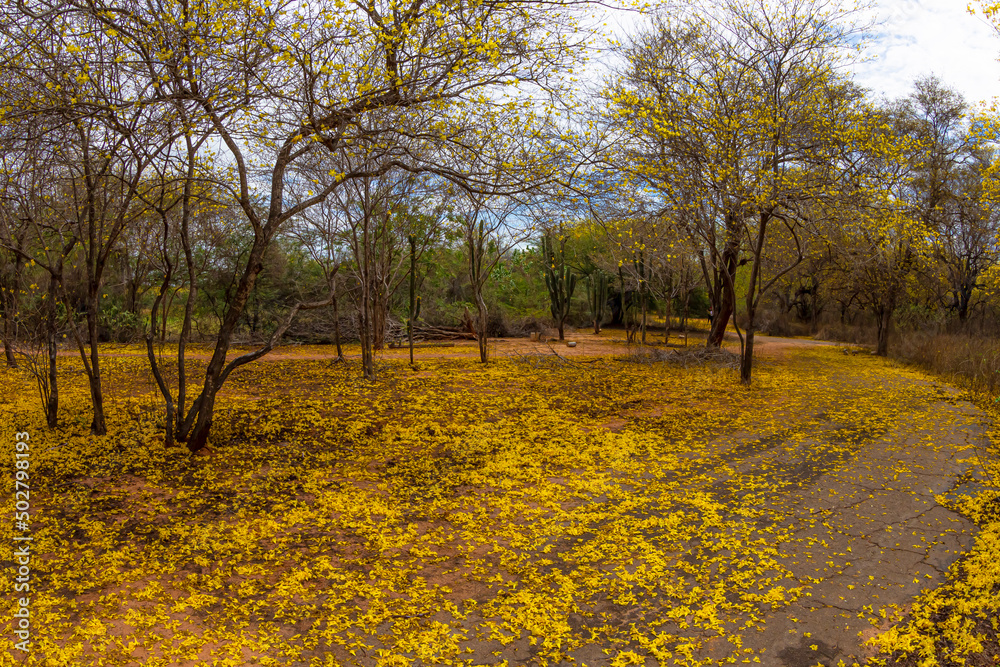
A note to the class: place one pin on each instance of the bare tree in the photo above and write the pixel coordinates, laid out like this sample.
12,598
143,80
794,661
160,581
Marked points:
12,270
320,232
491,227
33,227
78,88
378,214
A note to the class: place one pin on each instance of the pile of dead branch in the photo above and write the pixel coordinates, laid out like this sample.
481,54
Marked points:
689,356
423,332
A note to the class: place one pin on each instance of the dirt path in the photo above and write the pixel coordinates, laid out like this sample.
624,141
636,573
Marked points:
862,520
885,537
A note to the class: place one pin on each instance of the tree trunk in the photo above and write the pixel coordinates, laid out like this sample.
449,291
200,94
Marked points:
8,352
642,323
168,437
198,422
98,425
132,296
482,335
364,256
170,417
884,320
218,371
52,404
814,315
411,316
255,314
379,312
182,344
9,299
170,303
336,329
409,337
52,401
666,322
746,363
203,424
367,352
367,361
684,324
964,296
721,321
727,302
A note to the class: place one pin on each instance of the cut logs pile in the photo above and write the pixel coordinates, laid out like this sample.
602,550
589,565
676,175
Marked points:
426,332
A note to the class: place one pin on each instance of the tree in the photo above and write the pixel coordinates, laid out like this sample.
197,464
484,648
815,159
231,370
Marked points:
877,236
73,84
879,249
320,233
186,211
35,229
734,114
377,215
560,280
639,245
490,229
597,297
12,270
950,190
968,241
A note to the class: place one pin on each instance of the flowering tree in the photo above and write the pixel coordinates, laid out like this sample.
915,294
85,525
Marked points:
733,112
405,85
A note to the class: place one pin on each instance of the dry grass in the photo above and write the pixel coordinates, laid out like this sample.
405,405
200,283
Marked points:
973,362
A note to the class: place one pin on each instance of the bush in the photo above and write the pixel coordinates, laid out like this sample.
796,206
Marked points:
773,322
118,325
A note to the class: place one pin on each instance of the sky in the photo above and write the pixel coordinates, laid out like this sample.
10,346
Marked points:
918,37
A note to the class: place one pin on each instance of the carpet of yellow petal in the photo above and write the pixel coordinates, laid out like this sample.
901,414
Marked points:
456,514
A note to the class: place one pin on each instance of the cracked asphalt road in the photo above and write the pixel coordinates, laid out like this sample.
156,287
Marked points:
880,510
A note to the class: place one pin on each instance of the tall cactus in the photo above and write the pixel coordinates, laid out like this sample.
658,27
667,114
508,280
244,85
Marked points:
597,296
414,299
561,282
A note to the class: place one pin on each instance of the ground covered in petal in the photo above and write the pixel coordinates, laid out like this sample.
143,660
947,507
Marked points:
543,509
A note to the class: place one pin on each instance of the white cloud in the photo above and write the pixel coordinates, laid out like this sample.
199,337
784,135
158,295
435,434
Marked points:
914,38
910,39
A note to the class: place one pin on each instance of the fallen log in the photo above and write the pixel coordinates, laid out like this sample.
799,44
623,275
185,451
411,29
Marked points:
403,345
424,332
